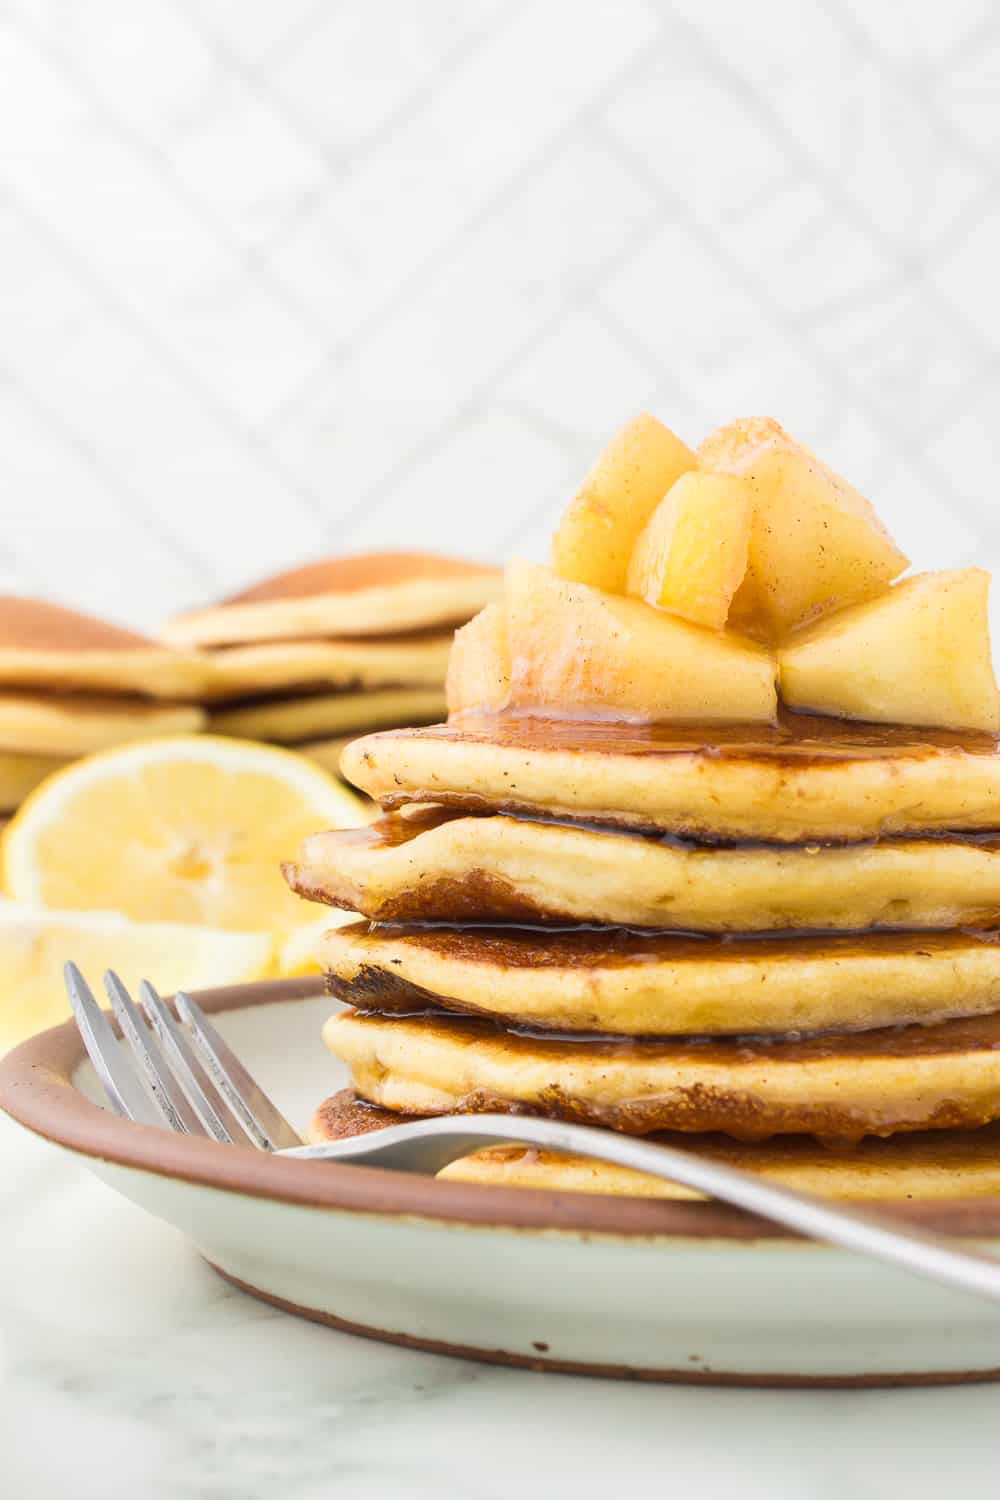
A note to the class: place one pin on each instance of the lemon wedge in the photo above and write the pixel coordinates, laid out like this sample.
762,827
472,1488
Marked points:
35,944
296,955
190,829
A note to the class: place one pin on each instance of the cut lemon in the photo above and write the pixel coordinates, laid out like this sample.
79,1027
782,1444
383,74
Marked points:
35,944
191,829
297,954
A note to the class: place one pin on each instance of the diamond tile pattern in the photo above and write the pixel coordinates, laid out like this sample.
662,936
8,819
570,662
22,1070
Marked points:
282,277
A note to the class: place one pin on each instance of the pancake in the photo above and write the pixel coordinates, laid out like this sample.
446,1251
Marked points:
293,721
437,868
925,1165
662,984
234,672
45,646
65,725
838,1086
21,773
806,778
372,594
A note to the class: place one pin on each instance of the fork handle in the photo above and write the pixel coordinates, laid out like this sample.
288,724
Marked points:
430,1144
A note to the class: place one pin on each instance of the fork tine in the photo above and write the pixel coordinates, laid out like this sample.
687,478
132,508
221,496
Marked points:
261,1119
173,1102
114,1066
217,1117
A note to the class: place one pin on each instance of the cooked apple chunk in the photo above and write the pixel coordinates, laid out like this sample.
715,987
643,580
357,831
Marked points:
918,654
692,554
598,529
479,667
580,650
816,545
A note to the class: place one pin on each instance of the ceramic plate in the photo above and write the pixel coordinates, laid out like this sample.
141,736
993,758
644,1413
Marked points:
562,1281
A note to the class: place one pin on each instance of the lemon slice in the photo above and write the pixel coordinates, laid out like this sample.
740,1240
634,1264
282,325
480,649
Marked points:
296,956
190,829
35,944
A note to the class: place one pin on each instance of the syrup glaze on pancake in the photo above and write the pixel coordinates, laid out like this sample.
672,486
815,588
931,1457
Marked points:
839,1087
934,1164
796,737
805,777
591,979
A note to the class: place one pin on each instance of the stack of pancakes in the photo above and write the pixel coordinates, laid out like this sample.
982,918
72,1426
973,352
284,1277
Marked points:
312,657
71,684
775,943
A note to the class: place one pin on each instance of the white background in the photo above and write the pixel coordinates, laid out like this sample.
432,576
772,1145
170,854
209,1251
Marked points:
280,277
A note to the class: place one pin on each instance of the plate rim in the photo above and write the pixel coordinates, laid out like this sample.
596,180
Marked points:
36,1090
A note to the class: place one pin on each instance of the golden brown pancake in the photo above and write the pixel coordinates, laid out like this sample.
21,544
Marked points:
65,725
436,868
43,645
294,721
662,984
235,672
373,594
807,778
21,773
837,1086
924,1165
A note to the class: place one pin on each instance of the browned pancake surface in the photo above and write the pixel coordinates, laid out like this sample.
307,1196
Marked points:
36,625
348,575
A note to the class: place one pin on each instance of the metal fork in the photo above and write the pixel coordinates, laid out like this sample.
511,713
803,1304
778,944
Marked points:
176,1072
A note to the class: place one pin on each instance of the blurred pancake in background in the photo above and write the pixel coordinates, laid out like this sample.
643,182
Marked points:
71,684
43,645
371,594
297,721
334,649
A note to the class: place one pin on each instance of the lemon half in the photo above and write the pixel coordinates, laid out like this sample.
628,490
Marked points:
190,829
34,945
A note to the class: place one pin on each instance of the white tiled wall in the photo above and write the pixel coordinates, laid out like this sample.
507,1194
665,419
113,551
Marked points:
282,276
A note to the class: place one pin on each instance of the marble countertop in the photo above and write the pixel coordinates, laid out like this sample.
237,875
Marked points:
128,1368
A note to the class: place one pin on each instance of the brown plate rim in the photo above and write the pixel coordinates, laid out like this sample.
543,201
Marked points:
36,1089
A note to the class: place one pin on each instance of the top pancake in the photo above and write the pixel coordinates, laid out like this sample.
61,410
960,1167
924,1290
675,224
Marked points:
806,778
237,672
46,646
372,594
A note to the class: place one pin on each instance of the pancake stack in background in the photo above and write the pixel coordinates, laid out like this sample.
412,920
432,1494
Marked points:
628,884
312,657
71,684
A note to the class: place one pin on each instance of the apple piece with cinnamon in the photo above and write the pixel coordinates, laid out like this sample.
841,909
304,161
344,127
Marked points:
598,529
816,544
917,654
581,651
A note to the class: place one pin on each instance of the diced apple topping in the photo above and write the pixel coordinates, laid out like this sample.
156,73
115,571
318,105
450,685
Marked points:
917,654
576,649
479,667
599,527
692,554
816,544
